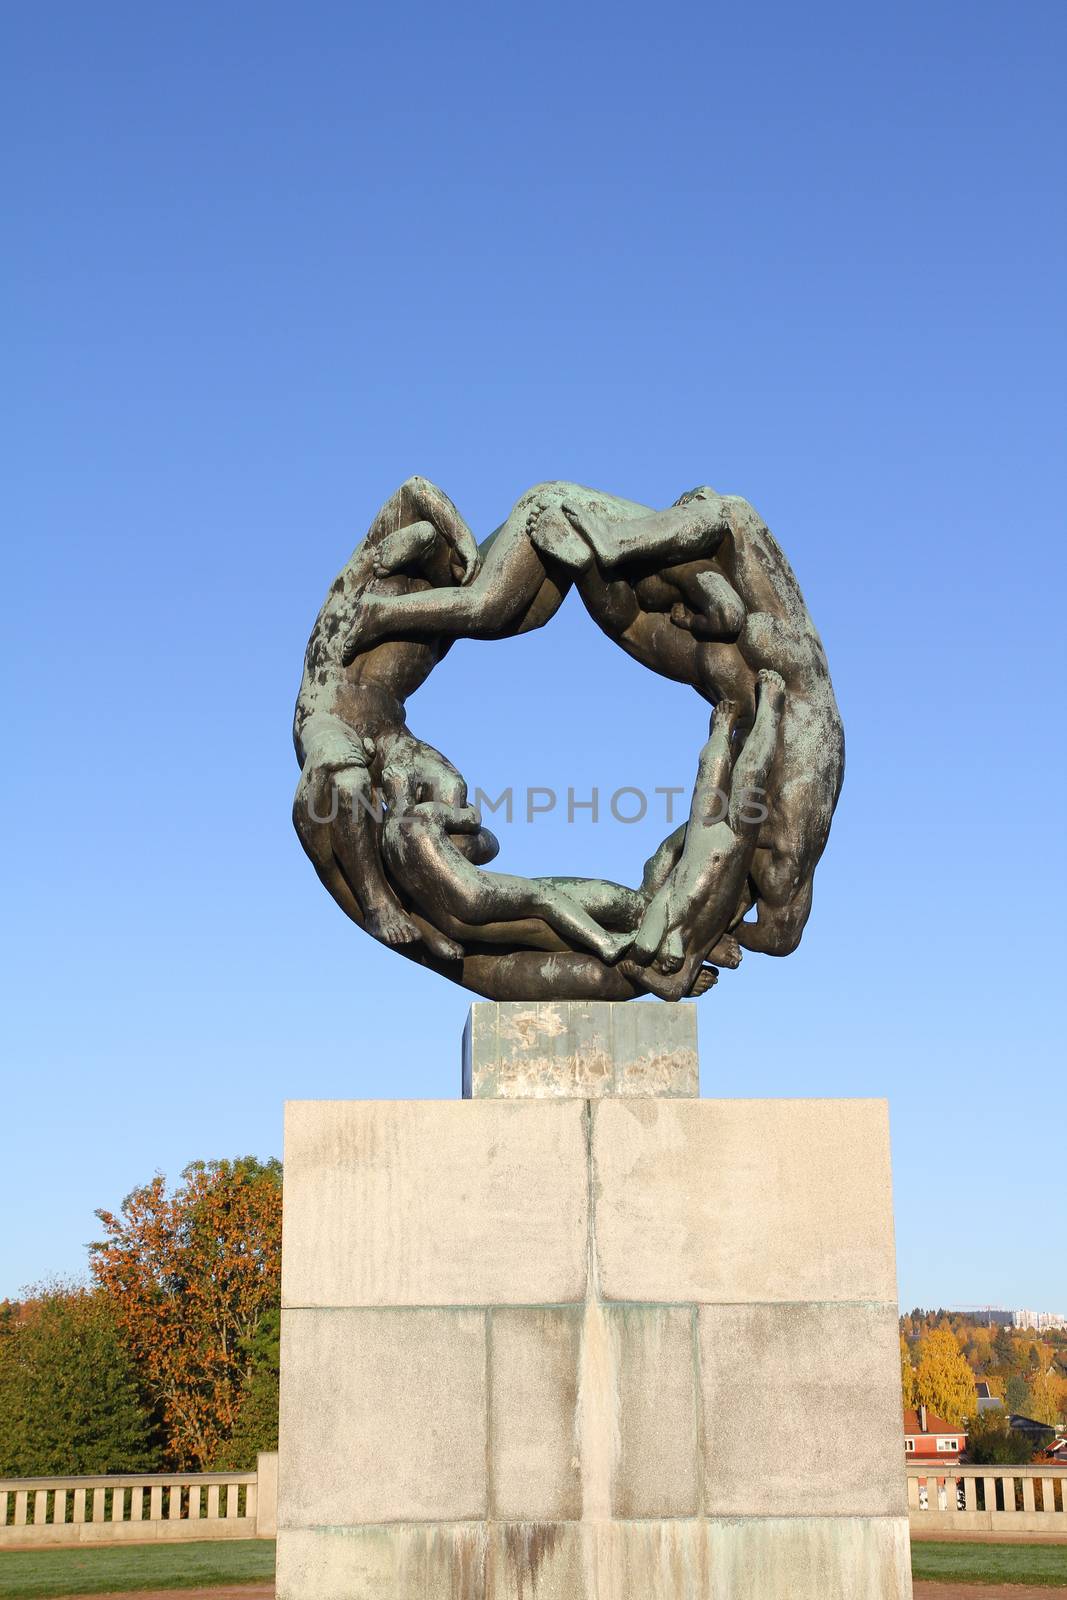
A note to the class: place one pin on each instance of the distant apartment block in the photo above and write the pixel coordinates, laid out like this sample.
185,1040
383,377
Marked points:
1040,1321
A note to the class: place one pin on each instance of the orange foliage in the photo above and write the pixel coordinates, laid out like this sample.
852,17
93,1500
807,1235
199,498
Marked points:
189,1275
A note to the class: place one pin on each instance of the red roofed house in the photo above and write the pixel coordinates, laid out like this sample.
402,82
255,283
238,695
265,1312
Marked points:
931,1440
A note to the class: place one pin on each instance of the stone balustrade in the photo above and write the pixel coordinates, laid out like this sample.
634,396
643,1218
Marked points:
1008,1501
137,1508
140,1507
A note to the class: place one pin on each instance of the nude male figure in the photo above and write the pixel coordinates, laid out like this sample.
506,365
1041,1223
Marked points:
694,906
344,712
752,618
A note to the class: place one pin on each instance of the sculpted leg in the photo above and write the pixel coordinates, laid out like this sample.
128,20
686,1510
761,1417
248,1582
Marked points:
493,605
613,905
778,929
715,611
756,757
333,816
680,533
356,838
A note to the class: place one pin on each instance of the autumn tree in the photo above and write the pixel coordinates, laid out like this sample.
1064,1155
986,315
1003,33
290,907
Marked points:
190,1276
1048,1395
69,1398
943,1380
907,1373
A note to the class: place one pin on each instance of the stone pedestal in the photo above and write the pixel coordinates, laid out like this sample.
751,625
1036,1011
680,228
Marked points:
591,1344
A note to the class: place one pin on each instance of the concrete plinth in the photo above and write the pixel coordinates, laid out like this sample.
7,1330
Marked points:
580,1347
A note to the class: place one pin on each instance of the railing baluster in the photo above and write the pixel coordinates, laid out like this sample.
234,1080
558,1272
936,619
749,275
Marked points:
194,1502
233,1495
174,1511
213,1502
155,1508
136,1505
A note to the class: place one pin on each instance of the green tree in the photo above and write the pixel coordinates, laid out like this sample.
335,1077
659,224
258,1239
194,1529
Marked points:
1017,1395
256,1427
991,1441
1005,1353
943,1380
69,1399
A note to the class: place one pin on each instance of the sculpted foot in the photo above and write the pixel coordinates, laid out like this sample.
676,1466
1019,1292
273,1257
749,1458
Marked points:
651,981
771,688
727,952
706,979
402,548
391,926
600,532
613,945
445,949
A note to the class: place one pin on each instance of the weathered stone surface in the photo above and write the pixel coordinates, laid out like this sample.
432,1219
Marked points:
579,1048
811,1558
266,1494
743,1200
801,1408
383,1416
654,1350
394,1203
711,1413
413,1561
534,1467
764,1558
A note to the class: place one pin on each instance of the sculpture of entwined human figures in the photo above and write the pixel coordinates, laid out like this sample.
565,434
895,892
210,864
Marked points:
700,593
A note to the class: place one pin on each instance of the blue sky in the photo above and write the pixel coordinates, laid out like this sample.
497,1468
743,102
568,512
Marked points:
264,261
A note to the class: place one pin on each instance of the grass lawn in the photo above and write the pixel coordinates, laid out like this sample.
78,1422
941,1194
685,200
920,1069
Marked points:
49,1574
1040,1565
54,1574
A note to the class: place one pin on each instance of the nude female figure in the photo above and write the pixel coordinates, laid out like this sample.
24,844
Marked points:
424,860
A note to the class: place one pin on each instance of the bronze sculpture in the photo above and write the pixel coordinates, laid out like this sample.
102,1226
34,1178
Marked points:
700,593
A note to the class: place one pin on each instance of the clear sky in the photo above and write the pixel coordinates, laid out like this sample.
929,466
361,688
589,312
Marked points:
262,262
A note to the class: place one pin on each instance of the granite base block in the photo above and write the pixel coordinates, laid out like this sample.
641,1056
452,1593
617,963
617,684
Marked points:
589,1347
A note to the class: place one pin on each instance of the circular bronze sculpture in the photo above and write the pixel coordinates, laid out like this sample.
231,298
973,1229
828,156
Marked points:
700,593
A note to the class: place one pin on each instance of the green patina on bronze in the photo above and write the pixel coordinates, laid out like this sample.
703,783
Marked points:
700,593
